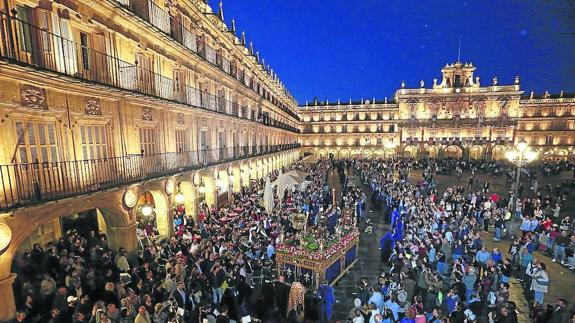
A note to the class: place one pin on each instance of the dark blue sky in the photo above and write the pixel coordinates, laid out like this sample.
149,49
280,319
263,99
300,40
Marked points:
364,48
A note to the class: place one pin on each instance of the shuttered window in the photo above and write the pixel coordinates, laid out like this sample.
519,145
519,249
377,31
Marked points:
36,142
148,142
181,141
95,142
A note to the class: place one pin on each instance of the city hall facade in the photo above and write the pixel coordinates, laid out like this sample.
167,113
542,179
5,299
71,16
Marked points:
108,107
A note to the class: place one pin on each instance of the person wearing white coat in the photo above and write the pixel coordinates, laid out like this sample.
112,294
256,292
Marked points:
540,282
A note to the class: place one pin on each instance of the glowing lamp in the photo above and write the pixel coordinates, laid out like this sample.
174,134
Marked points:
180,198
147,209
511,155
522,145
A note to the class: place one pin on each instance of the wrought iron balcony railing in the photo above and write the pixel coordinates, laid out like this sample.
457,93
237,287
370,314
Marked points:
175,29
32,183
26,44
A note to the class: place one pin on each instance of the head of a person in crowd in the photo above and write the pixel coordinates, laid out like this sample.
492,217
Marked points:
111,308
55,312
562,303
20,316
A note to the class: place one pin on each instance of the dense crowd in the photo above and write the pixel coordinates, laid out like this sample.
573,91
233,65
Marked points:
435,265
208,269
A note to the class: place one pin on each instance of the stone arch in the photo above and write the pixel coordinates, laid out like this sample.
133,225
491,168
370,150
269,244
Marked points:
498,152
208,183
410,151
188,190
476,152
453,151
23,222
159,201
431,151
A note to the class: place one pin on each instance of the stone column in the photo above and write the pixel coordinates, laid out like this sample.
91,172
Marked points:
8,304
124,237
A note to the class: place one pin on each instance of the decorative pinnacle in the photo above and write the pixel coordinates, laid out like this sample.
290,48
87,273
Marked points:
221,10
243,38
233,29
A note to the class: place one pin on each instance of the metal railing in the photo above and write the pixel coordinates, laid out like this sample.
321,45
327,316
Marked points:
32,183
24,43
172,26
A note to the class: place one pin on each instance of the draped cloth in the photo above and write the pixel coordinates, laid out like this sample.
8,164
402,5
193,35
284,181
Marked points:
296,296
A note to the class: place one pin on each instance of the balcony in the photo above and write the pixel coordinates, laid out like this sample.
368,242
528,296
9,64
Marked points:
29,184
26,44
172,27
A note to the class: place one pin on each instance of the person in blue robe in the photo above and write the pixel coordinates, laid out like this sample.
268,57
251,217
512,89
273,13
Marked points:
327,299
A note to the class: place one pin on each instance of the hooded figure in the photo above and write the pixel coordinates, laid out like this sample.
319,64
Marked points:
386,245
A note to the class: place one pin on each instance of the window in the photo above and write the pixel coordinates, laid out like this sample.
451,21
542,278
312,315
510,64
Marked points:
43,24
549,140
84,51
94,142
36,142
148,144
181,141
24,36
204,143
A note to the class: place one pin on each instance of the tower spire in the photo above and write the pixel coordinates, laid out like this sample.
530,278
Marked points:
233,29
243,38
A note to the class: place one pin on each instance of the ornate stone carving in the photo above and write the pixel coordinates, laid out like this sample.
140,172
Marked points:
92,107
147,114
33,97
180,118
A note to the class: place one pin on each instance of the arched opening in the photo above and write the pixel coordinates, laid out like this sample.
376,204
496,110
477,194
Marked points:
152,214
476,152
498,152
410,151
453,152
184,199
432,151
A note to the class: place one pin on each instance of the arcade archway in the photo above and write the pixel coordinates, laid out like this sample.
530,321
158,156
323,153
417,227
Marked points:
453,152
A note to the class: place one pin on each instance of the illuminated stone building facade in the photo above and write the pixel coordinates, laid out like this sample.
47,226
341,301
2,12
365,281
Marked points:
108,107
455,117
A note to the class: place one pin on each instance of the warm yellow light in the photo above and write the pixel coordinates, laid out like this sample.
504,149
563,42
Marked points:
202,189
511,155
5,237
147,209
522,145
180,198
390,145
531,155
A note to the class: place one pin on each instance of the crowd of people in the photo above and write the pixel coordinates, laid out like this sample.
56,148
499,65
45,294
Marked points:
220,266
435,265
210,268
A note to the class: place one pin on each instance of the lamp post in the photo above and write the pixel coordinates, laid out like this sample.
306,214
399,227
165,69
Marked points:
520,156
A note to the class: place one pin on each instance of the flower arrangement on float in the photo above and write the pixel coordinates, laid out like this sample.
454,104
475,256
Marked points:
309,246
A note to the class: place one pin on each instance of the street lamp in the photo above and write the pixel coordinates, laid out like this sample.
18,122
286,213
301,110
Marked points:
520,156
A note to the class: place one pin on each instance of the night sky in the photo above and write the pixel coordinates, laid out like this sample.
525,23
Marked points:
334,49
